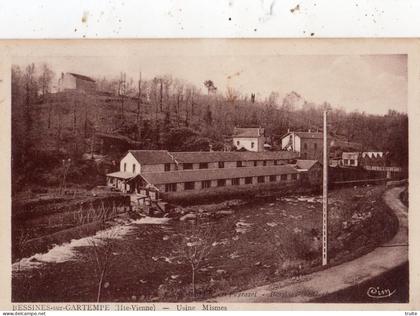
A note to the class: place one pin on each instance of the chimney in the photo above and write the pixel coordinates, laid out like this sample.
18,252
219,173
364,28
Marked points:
210,147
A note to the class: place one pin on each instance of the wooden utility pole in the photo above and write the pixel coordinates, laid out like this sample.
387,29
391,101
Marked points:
325,195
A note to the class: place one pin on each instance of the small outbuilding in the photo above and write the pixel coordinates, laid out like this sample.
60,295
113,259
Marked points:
310,171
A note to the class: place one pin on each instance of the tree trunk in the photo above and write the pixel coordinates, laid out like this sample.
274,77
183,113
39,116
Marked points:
49,111
193,280
138,136
101,279
161,96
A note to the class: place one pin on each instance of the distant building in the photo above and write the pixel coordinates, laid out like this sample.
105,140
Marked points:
74,82
363,159
307,144
351,159
311,171
251,139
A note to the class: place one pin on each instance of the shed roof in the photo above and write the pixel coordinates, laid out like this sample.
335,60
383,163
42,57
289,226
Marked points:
306,164
151,157
372,154
117,137
122,175
215,174
82,77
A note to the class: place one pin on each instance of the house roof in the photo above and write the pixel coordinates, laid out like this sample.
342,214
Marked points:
204,156
213,156
350,155
215,174
313,135
151,157
82,77
267,155
122,175
248,132
306,164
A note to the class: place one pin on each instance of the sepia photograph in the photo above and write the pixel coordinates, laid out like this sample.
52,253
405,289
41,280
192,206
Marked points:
205,171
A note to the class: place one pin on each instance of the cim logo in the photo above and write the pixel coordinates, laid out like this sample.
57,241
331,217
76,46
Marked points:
377,292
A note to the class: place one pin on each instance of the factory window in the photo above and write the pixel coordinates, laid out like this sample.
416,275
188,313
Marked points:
189,185
315,146
294,176
264,163
252,144
221,164
221,182
203,165
205,184
239,164
272,178
261,179
187,166
170,187
248,180
167,167
134,168
255,163
305,146
235,181
125,167
283,177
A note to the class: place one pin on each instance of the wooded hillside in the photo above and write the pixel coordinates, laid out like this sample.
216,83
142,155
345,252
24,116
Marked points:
168,113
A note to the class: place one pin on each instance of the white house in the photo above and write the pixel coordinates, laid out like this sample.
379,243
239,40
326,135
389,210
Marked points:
251,139
136,162
71,82
307,144
351,159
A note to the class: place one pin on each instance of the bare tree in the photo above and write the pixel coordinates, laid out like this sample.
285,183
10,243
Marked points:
45,80
122,87
231,97
102,255
179,90
194,247
30,91
211,88
138,136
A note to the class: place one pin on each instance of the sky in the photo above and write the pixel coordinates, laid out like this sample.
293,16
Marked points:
370,83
